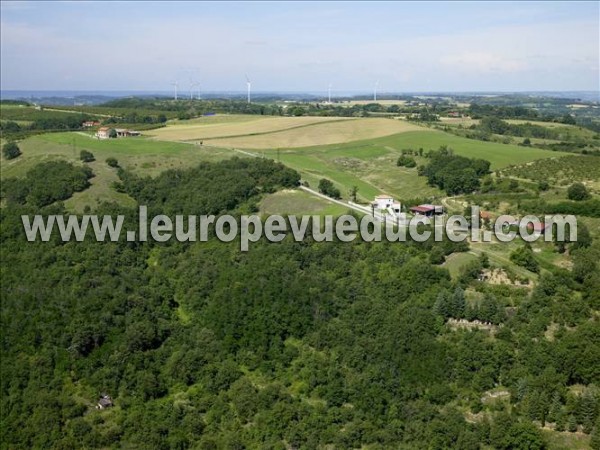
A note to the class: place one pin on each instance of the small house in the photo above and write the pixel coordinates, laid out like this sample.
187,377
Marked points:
103,133
383,201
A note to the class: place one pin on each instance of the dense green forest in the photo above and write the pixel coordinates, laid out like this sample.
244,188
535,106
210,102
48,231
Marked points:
294,345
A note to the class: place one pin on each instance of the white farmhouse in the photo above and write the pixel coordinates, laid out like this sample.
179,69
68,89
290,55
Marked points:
383,201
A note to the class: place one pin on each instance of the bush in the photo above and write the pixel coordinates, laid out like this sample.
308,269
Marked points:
406,161
524,257
11,150
578,192
86,156
112,162
326,187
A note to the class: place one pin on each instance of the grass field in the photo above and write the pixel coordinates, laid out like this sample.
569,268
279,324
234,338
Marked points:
257,132
567,132
372,170
330,132
140,155
220,126
457,261
21,113
371,164
297,202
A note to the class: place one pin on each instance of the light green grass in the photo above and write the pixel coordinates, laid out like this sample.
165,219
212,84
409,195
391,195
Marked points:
499,155
297,202
143,156
568,132
371,165
456,261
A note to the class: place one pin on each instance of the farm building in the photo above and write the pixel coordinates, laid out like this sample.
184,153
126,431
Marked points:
103,133
122,132
383,201
427,210
90,123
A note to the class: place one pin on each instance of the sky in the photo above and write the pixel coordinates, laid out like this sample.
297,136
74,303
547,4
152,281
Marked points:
295,46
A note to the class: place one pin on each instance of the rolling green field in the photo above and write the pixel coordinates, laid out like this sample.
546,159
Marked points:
568,132
234,126
368,164
20,113
456,261
297,202
140,155
371,164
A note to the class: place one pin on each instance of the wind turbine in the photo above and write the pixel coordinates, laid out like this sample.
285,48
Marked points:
375,91
248,86
193,84
329,93
176,84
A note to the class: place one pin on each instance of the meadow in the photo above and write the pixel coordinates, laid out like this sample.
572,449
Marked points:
256,132
219,126
353,152
297,202
140,155
325,132
369,164
27,114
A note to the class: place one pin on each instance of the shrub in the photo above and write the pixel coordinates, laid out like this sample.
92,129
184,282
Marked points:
578,192
11,150
86,156
112,162
523,257
406,161
326,187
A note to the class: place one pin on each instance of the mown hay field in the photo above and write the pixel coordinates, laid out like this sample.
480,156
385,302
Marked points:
221,126
329,132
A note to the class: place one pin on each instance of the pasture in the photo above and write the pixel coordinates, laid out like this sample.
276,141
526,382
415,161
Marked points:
297,202
567,132
140,155
371,164
225,126
367,163
27,114
323,133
